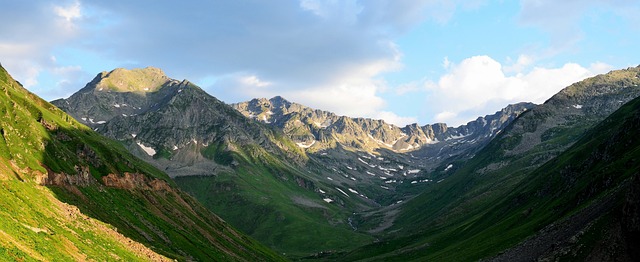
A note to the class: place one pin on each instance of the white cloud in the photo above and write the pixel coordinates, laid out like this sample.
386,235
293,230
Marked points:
479,84
69,12
446,63
444,116
34,29
393,118
253,80
523,62
350,100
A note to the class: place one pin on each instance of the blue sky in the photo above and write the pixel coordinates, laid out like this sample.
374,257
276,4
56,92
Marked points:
403,61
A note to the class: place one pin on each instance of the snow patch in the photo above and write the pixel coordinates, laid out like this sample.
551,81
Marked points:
380,141
577,106
456,137
414,171
330,178
321,125
149,150
264,119
321,191
328,200
344,193
448,167
101,122
133,135
116,106
353,191
303,145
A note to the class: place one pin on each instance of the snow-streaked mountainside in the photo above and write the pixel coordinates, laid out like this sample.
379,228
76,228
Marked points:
548,179
251,174
316,130
344,165
312,184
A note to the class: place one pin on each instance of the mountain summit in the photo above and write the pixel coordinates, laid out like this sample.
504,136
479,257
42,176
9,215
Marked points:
148,79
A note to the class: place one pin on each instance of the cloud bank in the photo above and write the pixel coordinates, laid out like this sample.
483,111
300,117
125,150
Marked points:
331,55
482,84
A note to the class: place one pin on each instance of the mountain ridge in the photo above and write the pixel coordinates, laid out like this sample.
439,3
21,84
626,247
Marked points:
70,194
316,130
201,141
292,166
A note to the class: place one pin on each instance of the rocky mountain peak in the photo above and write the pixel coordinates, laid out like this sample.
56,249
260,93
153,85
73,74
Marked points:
278,101
315,130
144,80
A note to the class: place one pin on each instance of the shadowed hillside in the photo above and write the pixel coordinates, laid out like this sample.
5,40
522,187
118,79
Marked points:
70,194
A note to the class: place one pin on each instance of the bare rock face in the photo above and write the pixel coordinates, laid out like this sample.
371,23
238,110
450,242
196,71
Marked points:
135,181
315,130
129,181
161,119
82,178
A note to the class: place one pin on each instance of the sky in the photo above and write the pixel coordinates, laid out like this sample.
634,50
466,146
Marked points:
404,61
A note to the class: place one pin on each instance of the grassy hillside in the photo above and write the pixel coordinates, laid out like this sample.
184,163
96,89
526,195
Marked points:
504,196
70,194
277,204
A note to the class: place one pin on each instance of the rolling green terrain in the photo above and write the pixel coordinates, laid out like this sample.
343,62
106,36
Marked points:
553,181
70,194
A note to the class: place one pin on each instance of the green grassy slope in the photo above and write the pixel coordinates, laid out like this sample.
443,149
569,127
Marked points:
580,205
276,203
99,203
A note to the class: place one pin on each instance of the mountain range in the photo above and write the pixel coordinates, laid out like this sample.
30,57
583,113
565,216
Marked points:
316,130
530,182
213,152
